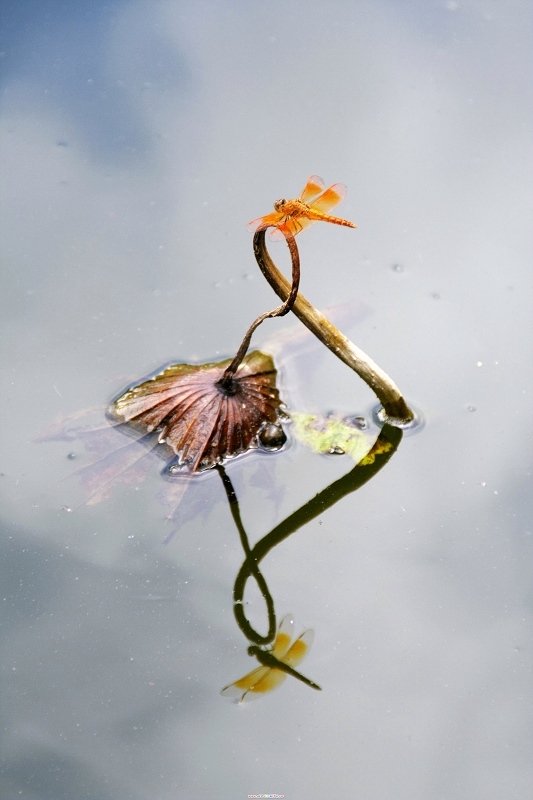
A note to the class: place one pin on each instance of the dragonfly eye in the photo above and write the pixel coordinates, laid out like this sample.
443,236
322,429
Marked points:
279,204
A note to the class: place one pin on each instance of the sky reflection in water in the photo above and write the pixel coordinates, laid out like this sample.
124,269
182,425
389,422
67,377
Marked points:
138,140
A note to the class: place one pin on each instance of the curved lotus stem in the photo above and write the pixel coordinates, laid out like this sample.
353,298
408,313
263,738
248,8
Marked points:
396,410
292,291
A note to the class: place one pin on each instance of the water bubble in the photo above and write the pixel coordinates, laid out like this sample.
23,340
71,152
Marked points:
336,451
471,408
272,437
398,268
356,422
71,456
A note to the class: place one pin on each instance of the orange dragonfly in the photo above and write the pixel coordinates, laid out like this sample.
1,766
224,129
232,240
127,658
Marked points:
277,663
312,205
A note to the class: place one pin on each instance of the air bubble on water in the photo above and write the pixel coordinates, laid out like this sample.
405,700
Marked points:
356,422
471,408
336,451
71,456
398,268
272,437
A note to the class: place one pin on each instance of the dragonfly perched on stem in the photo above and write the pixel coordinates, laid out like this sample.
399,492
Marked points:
311,206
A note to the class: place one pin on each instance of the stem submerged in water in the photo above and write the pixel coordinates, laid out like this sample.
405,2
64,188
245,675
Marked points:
396,410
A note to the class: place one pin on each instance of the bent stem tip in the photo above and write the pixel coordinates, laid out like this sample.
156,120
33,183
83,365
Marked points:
226,382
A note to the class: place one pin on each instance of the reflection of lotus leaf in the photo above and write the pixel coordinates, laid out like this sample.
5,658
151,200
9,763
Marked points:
331,435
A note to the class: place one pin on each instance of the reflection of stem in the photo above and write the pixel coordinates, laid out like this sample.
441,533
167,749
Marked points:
254,570
227,379
354,479
394,405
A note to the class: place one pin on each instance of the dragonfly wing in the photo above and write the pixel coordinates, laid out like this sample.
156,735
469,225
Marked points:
283,637
276,235
275,218
299,649
294,225
258,682
329,199
270,681
246,683
314,186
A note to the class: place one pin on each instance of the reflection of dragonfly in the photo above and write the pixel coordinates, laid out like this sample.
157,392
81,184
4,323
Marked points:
312,205
277,663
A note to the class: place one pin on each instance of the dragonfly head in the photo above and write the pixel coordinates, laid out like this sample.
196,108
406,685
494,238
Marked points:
278,205
253,649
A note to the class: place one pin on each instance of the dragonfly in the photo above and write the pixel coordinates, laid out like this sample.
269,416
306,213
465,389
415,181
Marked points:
276,663
311,206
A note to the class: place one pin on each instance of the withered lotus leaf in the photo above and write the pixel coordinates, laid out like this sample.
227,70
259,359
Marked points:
203,421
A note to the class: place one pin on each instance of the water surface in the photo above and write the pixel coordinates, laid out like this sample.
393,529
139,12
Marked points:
138,140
